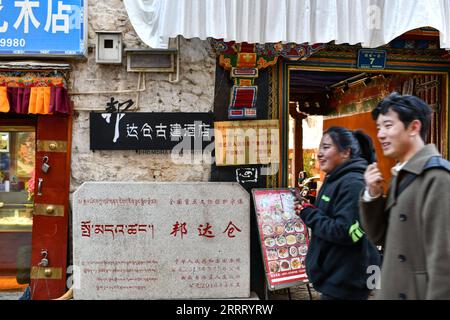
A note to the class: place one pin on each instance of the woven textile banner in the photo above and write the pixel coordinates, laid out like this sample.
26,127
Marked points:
33,93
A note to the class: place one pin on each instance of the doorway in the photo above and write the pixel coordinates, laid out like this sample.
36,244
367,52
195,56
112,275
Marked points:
34,215
321,98
36,127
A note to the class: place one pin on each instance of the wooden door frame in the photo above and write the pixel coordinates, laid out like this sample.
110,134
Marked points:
46,225
285,68
15,120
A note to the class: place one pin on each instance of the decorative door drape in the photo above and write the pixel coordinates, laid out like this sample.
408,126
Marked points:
26,92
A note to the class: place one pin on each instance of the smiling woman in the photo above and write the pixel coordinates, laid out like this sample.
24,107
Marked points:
329,155
338,145
337,257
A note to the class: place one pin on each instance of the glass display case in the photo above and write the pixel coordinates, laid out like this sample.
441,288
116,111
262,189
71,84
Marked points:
17,160
16,212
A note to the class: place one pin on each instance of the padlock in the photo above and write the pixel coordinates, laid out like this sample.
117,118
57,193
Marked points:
45,166
44,260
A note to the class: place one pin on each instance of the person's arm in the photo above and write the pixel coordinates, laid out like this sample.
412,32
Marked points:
435,215
374,219
343,227
372,204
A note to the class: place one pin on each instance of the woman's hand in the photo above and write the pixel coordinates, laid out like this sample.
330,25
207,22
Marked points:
300,203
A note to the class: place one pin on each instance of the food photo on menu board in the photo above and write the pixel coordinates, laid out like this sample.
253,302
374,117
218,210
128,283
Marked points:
283,235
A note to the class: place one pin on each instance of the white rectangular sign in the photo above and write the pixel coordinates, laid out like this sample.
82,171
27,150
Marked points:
161,240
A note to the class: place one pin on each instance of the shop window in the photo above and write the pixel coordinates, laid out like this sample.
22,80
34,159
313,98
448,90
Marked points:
17,157
17,165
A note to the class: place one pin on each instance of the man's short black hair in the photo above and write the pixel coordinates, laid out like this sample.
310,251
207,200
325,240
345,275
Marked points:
408,108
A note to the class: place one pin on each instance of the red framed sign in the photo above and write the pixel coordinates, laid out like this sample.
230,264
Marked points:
284,238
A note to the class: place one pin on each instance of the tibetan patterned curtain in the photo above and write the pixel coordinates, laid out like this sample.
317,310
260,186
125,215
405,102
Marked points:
33,93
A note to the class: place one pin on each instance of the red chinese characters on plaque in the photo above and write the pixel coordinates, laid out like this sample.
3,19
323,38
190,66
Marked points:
283,235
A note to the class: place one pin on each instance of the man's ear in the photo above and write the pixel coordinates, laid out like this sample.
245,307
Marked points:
414,127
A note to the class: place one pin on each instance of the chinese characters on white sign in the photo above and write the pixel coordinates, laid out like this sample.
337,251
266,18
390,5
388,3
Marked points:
31,27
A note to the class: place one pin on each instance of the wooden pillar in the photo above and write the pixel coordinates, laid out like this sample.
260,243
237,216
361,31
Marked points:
298,140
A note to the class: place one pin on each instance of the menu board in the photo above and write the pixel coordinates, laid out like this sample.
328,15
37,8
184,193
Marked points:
283,236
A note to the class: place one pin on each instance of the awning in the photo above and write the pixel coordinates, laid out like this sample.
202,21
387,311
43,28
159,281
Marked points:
372,23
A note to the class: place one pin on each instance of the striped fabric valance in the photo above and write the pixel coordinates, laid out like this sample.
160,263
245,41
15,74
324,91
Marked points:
33,93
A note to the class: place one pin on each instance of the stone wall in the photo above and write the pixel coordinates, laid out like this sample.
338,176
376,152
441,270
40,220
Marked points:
193,93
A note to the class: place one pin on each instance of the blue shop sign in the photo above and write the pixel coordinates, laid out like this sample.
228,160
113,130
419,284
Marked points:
43,27
371,59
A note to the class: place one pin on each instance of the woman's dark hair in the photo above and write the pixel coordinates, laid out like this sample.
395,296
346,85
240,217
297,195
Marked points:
408,108
359,143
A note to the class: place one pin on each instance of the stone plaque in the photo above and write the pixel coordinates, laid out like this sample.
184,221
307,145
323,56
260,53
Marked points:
161,240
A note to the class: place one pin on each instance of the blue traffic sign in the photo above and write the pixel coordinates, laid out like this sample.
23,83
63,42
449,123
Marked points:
43,27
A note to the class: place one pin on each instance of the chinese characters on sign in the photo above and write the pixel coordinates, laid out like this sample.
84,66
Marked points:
204,230
111,108
246,142
111,105
31,27
187,240
118,130
205,273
